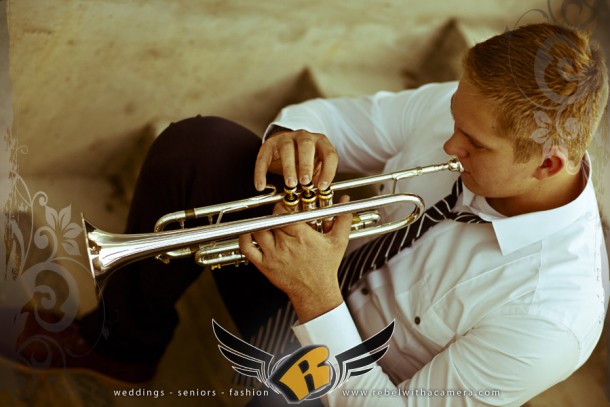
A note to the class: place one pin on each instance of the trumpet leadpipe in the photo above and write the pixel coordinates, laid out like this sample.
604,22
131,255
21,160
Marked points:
452,165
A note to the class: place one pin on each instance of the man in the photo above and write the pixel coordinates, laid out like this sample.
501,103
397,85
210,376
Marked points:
515,305
499,310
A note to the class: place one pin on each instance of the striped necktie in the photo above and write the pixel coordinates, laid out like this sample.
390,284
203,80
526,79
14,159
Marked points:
277,338
374,254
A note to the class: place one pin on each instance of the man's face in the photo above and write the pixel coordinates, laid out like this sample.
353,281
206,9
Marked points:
488,159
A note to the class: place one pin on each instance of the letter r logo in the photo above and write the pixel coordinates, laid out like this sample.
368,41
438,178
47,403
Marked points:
303,372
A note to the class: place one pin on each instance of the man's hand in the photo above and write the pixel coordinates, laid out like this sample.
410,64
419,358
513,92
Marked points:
302,262
300,156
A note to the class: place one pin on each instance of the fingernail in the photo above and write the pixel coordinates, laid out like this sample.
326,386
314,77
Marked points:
259,186
305,180
323,185
291,182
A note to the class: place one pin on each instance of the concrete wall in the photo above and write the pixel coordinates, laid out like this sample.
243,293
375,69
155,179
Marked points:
90,76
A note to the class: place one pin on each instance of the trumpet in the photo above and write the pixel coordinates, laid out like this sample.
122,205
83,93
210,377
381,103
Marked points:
216,244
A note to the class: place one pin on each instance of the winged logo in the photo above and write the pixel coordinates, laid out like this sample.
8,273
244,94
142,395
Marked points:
306,374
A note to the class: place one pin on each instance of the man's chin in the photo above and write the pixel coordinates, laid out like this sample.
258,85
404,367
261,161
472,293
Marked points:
467,179
469,182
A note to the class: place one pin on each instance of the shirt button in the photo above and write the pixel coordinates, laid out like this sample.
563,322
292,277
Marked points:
364,291
417,320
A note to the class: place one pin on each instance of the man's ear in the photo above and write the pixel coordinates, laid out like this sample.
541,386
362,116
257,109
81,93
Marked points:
553,162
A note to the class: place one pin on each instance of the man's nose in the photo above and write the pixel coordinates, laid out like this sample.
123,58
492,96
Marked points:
453,147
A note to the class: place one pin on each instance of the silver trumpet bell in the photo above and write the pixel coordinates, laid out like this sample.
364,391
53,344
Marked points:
216,244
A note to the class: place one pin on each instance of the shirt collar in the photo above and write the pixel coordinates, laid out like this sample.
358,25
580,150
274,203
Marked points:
516,232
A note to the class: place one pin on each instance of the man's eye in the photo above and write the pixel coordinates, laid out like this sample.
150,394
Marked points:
475,144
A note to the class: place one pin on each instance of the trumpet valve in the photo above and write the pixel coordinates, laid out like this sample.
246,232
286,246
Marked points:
308,198
325,200
325,197
308,203
220,254
291,199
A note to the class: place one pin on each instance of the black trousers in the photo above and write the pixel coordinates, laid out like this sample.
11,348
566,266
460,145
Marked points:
194,162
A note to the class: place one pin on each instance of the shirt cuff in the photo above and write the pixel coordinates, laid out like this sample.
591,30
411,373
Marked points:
295,122
272,129
334,329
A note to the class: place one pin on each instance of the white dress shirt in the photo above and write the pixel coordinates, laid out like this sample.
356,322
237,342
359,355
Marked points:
513,306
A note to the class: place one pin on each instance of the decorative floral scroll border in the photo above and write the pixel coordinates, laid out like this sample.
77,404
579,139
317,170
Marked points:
27,254
40,260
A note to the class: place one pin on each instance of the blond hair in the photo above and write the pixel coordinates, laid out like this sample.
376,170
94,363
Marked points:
548,85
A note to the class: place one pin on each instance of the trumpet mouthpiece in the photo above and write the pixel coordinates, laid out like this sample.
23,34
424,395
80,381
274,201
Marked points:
455,165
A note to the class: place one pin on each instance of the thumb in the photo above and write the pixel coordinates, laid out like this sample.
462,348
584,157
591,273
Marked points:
343,223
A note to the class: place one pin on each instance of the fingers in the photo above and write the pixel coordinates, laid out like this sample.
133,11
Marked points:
263,161
307,152
254,245
249,249
318,157
342,224
329,160
287,154
292,229
298,155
